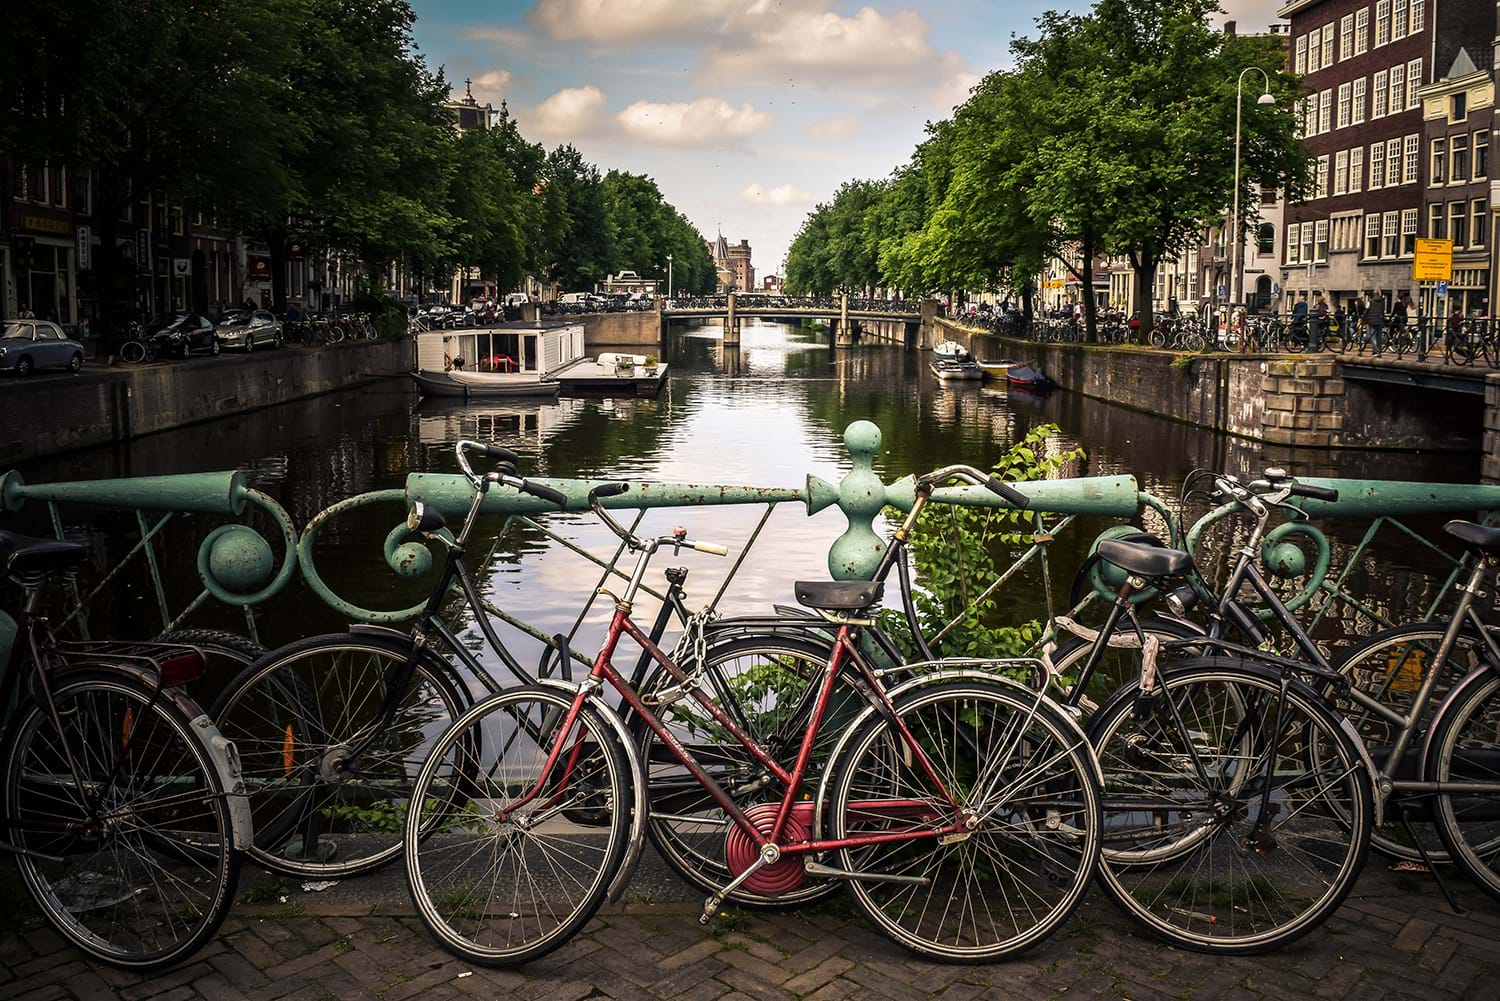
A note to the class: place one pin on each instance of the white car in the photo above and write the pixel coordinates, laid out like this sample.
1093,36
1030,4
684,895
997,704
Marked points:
30,344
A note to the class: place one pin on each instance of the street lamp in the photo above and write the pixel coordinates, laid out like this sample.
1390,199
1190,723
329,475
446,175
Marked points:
1234,259
669,276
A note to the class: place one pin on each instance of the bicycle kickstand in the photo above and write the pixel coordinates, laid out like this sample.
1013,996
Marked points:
1453,904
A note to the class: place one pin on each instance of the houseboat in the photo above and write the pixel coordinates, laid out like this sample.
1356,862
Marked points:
952,361
509,359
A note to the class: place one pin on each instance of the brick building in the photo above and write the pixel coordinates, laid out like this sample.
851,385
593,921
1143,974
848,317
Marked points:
1364,64
732,263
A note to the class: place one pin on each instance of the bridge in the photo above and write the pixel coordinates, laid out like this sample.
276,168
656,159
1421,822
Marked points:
850,316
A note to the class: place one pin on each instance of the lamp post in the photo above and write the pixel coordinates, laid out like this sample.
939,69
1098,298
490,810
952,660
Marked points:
669,276
1234,252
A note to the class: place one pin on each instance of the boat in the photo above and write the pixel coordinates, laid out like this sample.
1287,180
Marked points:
506,360
1027,375
952,361
997,369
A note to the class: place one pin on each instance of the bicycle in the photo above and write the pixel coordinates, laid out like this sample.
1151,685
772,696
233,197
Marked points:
136,347
121,802
998,770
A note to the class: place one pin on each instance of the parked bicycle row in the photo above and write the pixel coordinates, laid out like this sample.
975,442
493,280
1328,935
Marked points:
1195,753
752,301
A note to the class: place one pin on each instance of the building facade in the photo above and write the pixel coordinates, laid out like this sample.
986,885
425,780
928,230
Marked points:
732,264
1364,64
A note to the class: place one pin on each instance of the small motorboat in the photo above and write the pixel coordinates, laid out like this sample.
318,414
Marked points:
998,369
1027,375
952,361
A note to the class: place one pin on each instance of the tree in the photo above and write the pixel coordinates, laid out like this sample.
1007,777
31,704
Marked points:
575,235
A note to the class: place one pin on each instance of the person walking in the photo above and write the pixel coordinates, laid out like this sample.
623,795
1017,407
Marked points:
1375,322
1318,324
1399,311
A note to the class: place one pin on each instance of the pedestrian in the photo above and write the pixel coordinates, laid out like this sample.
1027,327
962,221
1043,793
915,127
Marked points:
1454,334
1398,318
1375,321
27,314
1318,324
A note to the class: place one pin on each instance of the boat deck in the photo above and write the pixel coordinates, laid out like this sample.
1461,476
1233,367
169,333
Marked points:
588,376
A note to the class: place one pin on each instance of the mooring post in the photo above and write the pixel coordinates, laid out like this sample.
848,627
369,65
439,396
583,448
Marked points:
731,323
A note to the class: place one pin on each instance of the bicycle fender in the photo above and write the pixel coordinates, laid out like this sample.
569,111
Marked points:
1377,795
1475,677
638,783
381,632
929,679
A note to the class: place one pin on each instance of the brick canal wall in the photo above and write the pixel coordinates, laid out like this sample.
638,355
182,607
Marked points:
603,331
1291,401
46,415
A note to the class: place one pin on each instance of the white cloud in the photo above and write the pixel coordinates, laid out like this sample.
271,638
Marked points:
490,86
841,127
607,21
821,42
1249,15
571,112
500,36
955,78
785,194
707,121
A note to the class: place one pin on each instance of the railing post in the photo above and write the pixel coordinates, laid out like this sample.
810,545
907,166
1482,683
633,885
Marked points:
731,323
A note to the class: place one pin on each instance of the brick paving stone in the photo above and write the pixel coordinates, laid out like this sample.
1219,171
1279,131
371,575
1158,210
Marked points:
811,980
756,967
1414,934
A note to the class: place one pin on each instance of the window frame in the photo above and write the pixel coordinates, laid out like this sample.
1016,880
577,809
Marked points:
1479,209
1325,111
1458,159
1411,156
1372,232
1362,31
1320,241
1356,170
1378,102
1293,243
1458,224
1360,95
1377,165
1341,172
1413,83
1345,105
1437,162
1382,23
1391,233
1409,223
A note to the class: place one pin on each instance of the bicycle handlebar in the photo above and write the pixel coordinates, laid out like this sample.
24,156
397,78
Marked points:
990,482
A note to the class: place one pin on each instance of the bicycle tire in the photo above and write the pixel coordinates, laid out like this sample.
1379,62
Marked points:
695,849
292,728
198,847
1464,748
1050,816
608,772
133,352
1208,915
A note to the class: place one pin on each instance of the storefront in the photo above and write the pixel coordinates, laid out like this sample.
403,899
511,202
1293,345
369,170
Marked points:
43,269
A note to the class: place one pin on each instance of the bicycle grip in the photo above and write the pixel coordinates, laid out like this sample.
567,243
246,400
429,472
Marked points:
711,548
500,454
545,493
608,490
1314,493
1005,490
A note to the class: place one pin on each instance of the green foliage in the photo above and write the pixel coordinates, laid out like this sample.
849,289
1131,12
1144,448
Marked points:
953,554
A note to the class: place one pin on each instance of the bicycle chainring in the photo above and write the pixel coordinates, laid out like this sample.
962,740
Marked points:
740,853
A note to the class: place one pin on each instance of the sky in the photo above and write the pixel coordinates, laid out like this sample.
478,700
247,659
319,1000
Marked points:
746,112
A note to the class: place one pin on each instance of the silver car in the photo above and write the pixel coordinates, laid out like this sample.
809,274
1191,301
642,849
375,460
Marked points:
249,329
32,344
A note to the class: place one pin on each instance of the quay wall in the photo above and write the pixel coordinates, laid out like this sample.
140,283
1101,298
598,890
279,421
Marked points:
632,329
1292,401
46,415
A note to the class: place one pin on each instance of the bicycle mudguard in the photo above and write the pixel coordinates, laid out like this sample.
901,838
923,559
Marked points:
638,781
220,749
1039,700
1478,676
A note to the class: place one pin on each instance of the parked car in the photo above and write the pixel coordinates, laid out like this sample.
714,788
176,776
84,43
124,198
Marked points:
184,334
31,344
249,329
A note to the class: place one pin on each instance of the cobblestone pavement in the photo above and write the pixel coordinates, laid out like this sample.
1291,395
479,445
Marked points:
1394,940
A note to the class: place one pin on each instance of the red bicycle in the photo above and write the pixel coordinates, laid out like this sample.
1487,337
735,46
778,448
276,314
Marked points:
961,809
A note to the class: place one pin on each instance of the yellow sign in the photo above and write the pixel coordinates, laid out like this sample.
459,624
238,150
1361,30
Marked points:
1434,261
42,224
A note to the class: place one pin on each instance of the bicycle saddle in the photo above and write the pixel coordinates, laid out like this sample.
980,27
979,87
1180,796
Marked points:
1480,537
838,595
22,554
1145,560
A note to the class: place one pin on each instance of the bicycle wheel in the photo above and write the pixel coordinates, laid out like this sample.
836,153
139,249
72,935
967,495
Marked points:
1021,775
297,714
767,686
511,877
132,352
1186,781
1389,667
1465,747
1117,665
138,867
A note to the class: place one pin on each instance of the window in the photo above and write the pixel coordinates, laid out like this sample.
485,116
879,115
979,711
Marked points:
1392,162
1392,227
1362,31
1356,169
1372,235
1346,37
1413,82
1459,108
1458,155
1417,10
1481,155
1325,111
57,190
1307,243
1479,211
1435,221
1327,60
1346,97
1293,243
1322,177
1439,170
1321,241
1408,232
1378,108
1398,20
1358,116
1458,223
1382,22
1265,238
1341,172
1377,165
1412,153
1299,60
1398,89
1314,49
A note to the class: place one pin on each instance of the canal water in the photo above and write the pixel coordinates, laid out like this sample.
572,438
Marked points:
769,413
